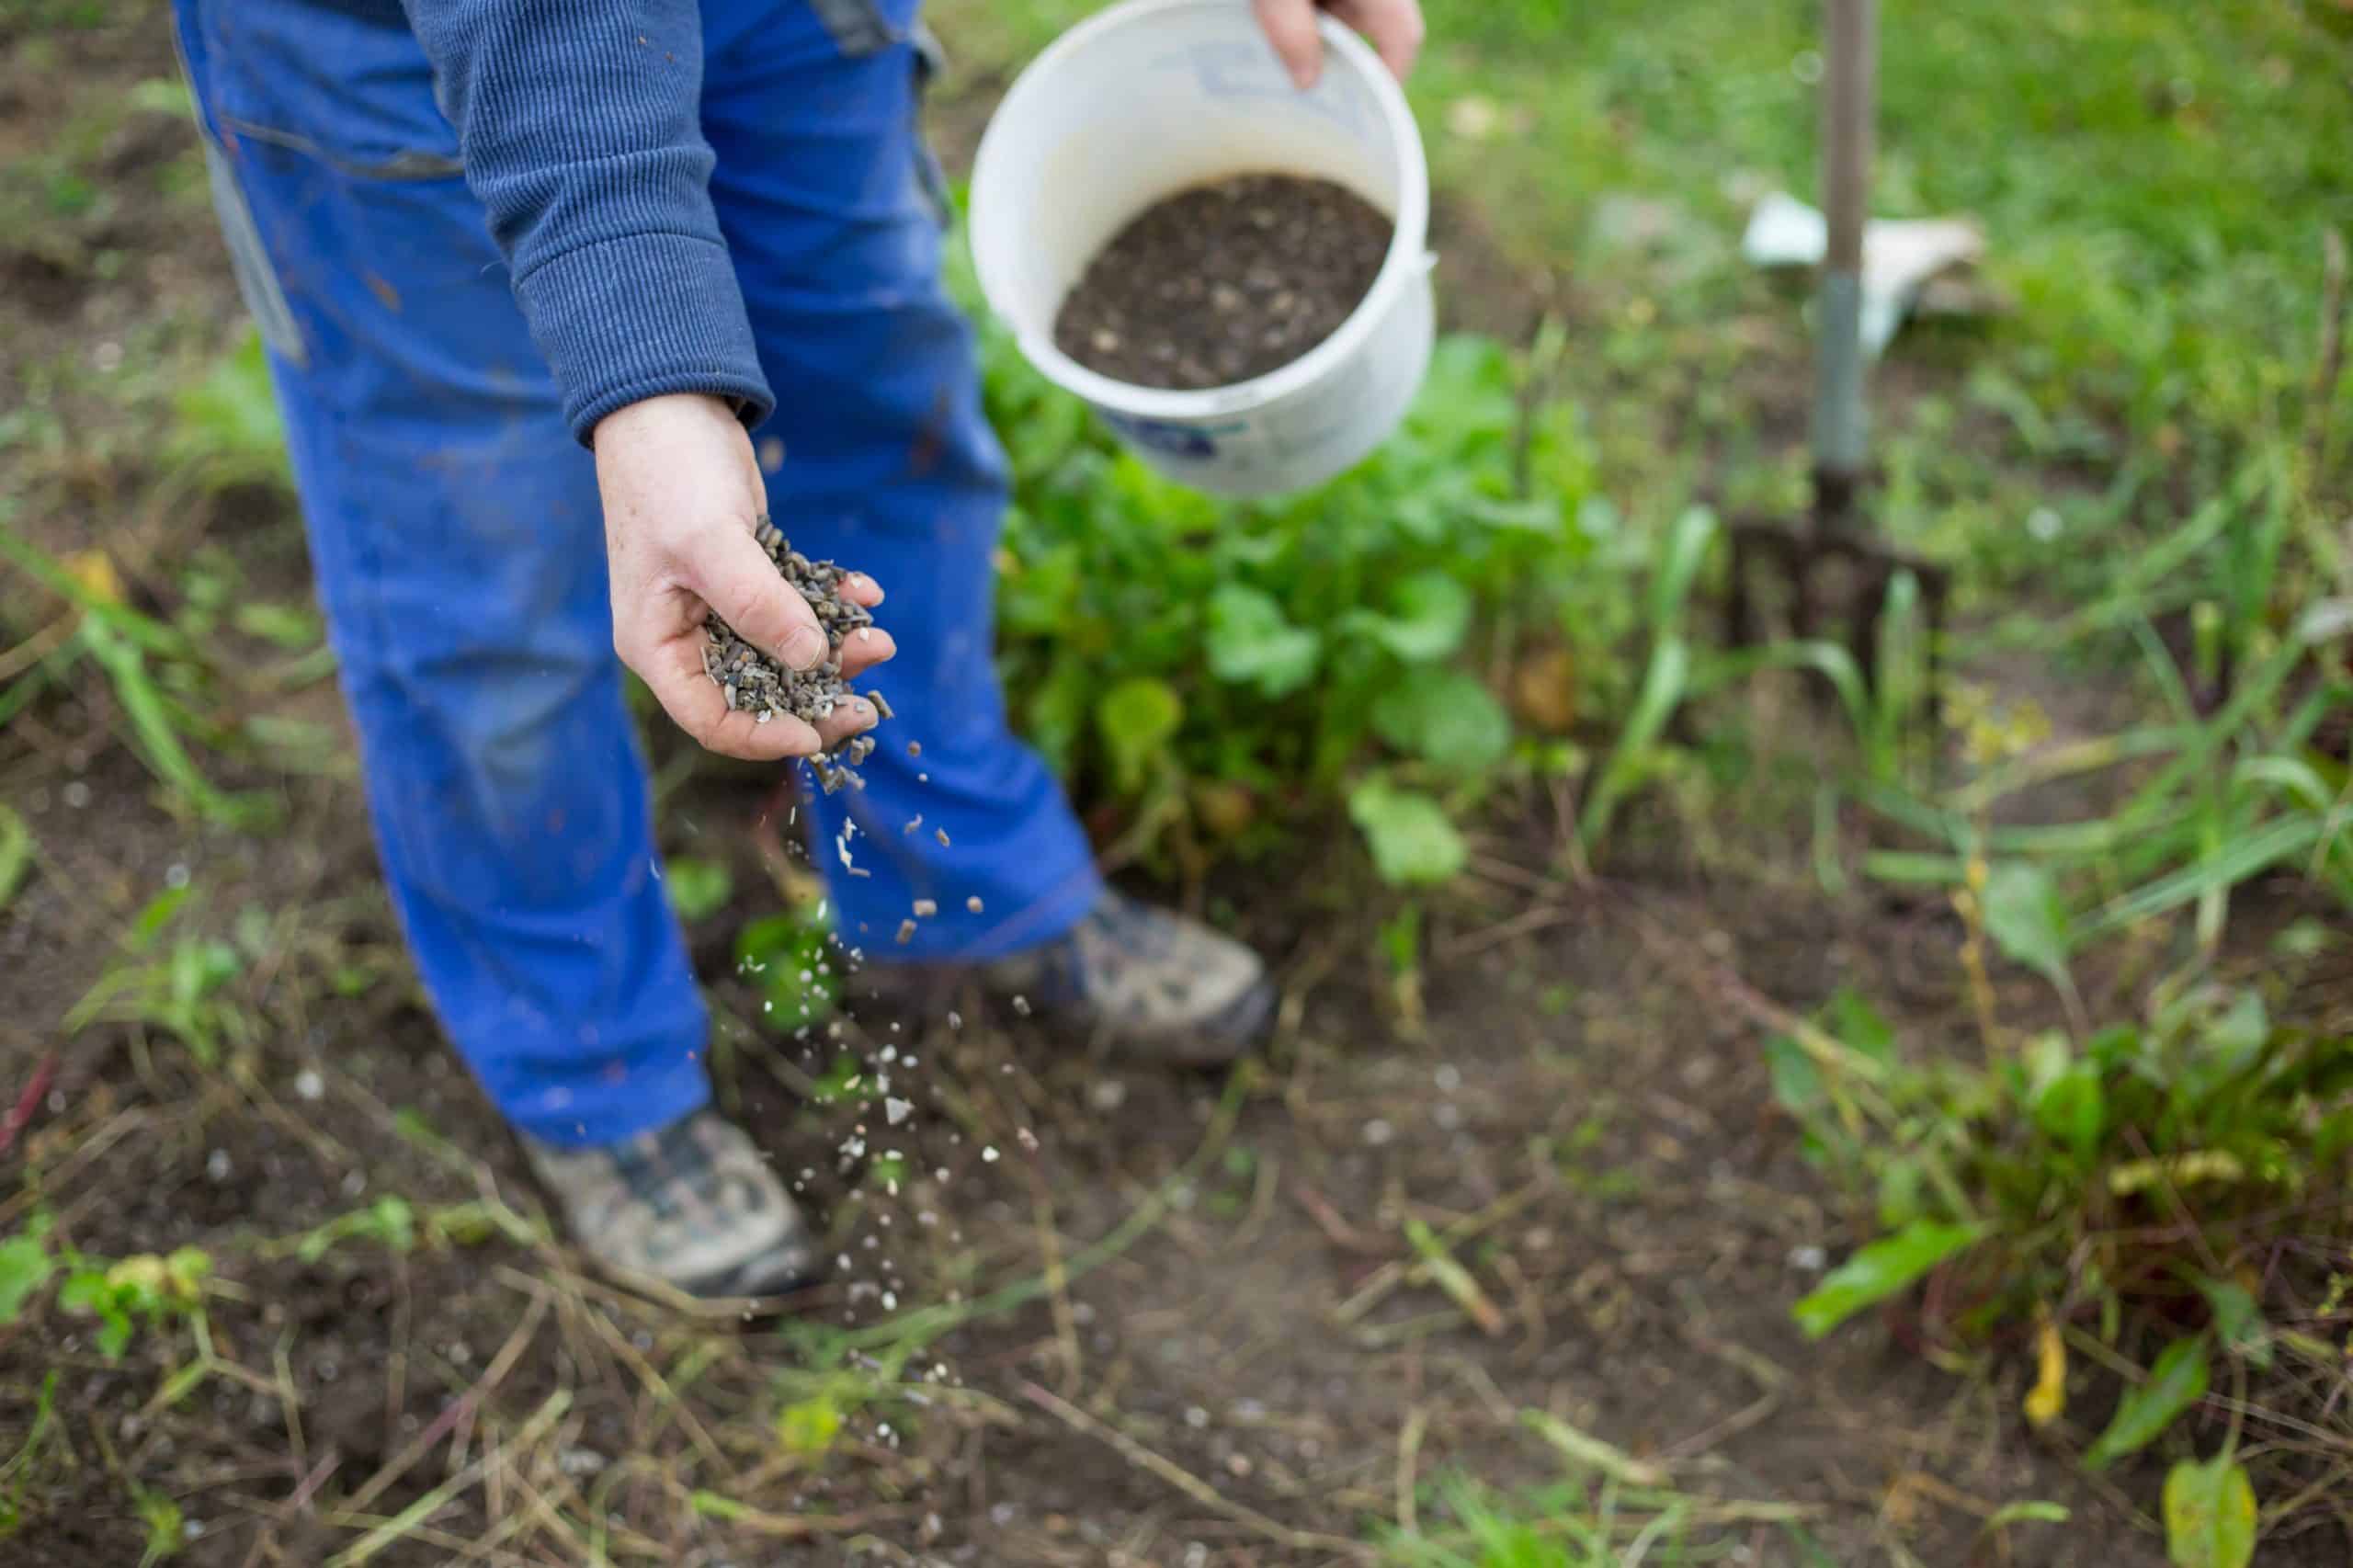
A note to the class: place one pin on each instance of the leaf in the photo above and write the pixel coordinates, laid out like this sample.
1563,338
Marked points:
1137,719
1880,1270
2238,1320
88,1291
156,915
808,1428
698,888
15,853
229,422
1413,842
2065,1096
2210,1514
1428,616
289,626
1443,716
1797,1082
1679,562
1665,682
1859,1024
2047,1401
1250,643
2027,918
2231,1043
2176,1382
25,1268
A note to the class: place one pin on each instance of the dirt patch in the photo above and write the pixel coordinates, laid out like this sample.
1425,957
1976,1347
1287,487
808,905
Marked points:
1224,283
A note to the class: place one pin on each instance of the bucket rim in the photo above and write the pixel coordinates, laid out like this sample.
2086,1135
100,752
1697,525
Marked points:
1404,267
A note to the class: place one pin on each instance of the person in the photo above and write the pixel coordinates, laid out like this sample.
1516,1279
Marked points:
528,268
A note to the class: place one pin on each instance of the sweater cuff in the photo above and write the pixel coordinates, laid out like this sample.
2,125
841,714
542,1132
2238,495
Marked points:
642,316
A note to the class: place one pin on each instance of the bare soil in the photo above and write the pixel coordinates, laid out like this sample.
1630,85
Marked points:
1224,283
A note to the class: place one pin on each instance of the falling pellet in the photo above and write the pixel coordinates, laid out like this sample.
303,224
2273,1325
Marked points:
906,932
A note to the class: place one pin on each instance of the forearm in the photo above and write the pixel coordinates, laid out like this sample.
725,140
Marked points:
578,122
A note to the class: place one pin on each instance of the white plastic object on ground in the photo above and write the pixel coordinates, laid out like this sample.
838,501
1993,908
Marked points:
1900,255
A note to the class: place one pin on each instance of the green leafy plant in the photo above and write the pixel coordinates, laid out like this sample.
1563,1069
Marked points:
2126,1183
179,988
158,674
1205,668
228,430
146,1287
788,958
698,888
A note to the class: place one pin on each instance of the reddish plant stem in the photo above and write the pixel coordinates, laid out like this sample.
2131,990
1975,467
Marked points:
21,1116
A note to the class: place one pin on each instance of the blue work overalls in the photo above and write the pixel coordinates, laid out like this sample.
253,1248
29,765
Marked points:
458,543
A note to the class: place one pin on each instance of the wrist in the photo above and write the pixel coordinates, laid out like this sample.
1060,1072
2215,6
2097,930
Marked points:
668,412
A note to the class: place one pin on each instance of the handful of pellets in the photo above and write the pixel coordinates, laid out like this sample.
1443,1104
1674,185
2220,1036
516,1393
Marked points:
754,683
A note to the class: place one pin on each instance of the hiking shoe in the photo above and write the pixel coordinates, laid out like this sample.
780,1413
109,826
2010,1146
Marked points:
692,1204
1145,984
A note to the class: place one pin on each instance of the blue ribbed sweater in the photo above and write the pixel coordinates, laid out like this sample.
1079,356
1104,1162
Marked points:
579,123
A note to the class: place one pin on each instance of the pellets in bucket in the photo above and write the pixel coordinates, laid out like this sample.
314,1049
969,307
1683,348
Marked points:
754,683
1224,282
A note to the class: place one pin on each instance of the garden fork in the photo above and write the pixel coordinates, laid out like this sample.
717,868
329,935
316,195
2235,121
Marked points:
1832,553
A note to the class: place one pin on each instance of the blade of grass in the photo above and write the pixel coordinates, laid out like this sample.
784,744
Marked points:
2236,863
15,852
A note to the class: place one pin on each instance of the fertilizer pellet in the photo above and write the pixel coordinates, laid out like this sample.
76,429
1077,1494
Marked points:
925,909
906,932
974,903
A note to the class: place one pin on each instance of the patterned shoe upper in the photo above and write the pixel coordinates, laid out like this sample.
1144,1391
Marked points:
692,1204
1148,982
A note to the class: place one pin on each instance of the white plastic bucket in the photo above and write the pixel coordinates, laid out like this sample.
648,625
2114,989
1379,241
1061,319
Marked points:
1149,98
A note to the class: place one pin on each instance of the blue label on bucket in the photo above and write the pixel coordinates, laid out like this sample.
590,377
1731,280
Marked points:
1192,441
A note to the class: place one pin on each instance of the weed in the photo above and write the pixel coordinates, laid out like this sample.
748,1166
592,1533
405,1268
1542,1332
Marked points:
179,990
396,1225
119,1294
21,1470
167,1529
2124,1197
153,668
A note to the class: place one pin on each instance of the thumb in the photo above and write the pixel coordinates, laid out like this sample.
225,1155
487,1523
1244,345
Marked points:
1290,26
736,578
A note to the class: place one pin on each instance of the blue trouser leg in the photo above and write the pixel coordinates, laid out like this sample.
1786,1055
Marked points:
456,537
888,465
454,529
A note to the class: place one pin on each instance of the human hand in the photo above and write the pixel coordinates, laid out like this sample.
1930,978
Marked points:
1394,27
682,492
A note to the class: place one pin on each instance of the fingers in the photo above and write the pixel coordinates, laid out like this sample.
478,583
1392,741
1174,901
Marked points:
1394,27
1290,26
736,578
849,719
865,648
672,669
